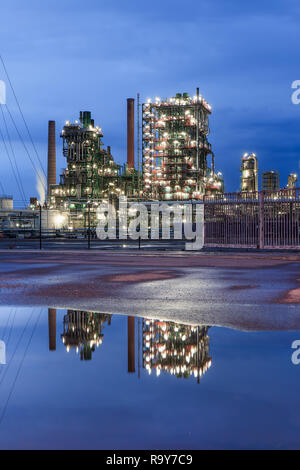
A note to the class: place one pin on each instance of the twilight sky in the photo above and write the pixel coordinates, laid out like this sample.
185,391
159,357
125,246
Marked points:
64,56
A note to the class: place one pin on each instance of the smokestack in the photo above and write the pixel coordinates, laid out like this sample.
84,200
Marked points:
108,150
131,345
52,328
130,133
51,156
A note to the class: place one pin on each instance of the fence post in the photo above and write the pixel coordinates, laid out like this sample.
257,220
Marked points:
261,200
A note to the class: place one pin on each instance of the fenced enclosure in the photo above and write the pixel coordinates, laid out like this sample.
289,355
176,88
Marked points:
253,220
264,219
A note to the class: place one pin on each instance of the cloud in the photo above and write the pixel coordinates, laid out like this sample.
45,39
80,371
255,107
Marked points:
66,56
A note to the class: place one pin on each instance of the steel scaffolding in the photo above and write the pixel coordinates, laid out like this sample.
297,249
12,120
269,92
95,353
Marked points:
175,149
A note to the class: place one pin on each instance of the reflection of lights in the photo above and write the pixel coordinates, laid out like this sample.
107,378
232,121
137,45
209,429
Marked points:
180,350
83,331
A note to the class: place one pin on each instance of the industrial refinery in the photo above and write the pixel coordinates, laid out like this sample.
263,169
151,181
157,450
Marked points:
177,163
174,164
176,149
270,179
169,158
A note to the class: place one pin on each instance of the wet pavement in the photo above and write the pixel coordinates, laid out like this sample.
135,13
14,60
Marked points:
242,291
84,380
149,351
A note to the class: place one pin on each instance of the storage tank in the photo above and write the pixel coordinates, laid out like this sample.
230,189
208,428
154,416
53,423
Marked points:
6,202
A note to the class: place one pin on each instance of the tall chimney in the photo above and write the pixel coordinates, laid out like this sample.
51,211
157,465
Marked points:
131,345
51,175
130,133
52,328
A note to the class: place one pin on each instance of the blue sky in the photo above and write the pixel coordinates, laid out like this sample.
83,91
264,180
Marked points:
66,56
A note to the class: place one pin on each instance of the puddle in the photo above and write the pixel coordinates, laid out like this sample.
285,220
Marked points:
72,379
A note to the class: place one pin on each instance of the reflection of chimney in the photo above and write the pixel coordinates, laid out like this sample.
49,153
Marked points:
51,156
131,344
130,133
52,328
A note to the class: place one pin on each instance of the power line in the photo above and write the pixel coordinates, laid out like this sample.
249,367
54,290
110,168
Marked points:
25,147
19,369
2,188
7,322
10,331
10,160
16,348
14,157
11,327
24,120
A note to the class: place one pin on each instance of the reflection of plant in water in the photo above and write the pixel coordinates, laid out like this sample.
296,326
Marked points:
181,350
83,331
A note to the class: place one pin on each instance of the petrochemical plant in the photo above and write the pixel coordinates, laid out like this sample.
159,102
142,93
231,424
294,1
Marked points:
174,161
270,179
176,149
173,166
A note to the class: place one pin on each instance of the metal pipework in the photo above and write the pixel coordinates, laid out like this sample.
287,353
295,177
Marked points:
130,133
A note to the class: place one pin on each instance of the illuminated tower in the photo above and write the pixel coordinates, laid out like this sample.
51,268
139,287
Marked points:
292,180
270,181
91,174
84,331
175,148
181,350
249,170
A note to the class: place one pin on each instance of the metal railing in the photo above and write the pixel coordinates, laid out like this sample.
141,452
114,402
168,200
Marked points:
264,219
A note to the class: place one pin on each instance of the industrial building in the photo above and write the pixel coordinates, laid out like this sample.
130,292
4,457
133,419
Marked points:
270,181
292,180
22,221
176,149
174,134
249,173
91,173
